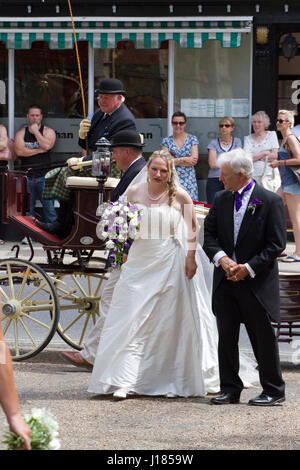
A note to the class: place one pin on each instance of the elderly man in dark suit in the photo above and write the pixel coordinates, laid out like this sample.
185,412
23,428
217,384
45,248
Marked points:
127,153
244,233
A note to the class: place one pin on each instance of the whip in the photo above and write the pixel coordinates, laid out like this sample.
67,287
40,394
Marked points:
78,60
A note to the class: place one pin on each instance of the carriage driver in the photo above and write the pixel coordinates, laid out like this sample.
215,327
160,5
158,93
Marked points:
112,117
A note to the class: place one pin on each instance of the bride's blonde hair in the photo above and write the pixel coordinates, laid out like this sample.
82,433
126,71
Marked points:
169,161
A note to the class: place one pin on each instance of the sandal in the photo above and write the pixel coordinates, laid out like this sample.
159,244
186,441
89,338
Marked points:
290,259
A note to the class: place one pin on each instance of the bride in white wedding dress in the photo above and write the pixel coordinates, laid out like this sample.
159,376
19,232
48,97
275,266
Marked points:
160,335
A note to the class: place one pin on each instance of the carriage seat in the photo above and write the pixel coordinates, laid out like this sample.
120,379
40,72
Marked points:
27,225
201,210
89,182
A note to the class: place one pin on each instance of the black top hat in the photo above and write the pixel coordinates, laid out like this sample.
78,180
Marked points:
128,138
111,86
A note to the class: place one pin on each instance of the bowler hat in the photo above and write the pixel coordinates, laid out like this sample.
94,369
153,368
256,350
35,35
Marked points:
111,86
127,138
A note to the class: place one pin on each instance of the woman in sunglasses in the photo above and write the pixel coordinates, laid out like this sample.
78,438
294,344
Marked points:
289,155
263,144
216,147
184,149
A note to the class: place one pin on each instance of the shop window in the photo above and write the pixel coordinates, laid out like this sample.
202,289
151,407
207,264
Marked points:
210,83
3,80
144,74
50,79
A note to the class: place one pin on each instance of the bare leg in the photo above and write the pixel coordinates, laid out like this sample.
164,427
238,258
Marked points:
293,204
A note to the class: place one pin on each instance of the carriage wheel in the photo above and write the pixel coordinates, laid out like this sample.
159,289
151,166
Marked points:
30,309
79,296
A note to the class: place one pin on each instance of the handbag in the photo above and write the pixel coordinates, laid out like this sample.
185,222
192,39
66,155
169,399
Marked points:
271,181
295,168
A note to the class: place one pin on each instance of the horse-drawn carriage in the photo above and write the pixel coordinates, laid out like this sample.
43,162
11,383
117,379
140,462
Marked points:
62,294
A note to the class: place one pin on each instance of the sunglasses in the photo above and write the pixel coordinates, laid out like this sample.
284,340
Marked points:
178,123
281,120
224,125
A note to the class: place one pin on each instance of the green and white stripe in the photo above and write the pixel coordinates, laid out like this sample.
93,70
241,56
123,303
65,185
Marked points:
106,34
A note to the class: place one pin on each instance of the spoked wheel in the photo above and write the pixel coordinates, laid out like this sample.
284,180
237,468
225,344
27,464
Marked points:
79,296
30,309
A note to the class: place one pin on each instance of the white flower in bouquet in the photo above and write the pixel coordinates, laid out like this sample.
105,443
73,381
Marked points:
118,226
110,245
134,221
44,431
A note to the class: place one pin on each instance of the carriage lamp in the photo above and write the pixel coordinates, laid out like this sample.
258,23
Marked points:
101,164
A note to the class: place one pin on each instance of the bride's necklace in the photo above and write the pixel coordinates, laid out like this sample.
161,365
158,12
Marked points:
155,198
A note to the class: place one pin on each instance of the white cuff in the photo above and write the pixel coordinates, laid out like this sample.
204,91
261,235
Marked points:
251,272
217,258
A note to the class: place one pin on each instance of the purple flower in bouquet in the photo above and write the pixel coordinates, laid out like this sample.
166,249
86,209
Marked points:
118,226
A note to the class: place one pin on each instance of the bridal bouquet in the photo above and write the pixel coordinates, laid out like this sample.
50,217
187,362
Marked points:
44,432
118,227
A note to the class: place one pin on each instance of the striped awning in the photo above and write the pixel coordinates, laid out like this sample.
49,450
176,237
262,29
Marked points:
145,34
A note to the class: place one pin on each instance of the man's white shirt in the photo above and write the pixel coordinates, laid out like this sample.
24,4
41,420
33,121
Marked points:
237,220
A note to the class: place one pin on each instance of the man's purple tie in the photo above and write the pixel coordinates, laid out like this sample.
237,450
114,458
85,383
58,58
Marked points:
239,196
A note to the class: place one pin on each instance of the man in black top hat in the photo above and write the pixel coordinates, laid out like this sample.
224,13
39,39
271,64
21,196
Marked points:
127,153
111,117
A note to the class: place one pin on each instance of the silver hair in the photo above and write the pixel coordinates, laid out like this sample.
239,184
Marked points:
262,115
239,160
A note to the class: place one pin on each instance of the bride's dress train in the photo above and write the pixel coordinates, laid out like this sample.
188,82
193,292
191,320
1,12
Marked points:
160,336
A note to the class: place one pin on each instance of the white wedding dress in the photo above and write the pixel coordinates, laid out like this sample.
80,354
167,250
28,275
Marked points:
160,335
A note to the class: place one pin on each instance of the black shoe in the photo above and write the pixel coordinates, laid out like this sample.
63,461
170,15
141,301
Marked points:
54,228
225,399
265,400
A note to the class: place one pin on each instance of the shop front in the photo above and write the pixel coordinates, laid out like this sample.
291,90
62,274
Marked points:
200,65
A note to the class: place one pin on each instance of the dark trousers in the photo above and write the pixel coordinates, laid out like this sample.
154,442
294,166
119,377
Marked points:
213,185
234,303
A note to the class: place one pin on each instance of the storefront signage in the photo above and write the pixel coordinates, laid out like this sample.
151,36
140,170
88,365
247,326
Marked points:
238,107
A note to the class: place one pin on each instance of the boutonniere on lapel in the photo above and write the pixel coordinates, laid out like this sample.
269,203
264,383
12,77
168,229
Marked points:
253,205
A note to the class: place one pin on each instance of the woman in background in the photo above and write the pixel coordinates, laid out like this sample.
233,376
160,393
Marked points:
289,155
263,144
216,147
184,149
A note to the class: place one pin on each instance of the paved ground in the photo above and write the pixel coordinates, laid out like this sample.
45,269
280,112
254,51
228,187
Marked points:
91,422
